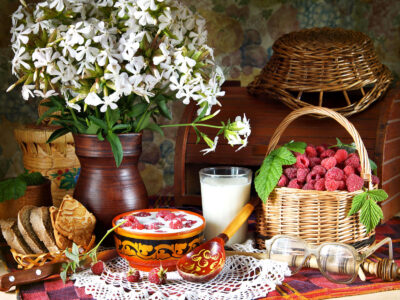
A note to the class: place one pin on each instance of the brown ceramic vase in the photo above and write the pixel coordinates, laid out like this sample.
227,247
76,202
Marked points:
104,189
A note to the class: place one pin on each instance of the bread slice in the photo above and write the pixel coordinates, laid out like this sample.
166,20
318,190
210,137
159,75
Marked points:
14,239
25,227
61,241
41,224
74,221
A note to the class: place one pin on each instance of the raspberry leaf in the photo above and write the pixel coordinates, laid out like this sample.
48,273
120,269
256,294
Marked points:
285,156
377,195
268,176
370,214
299,147
357,203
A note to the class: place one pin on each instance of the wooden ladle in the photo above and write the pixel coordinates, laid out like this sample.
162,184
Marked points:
207,260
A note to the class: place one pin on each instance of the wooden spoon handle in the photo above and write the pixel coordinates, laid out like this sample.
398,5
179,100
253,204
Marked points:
240,218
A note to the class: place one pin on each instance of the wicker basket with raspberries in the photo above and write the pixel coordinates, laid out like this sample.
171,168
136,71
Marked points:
320,193
323,168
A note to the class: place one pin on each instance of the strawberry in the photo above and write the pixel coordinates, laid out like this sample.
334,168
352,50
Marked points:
97,267
158,275
132,275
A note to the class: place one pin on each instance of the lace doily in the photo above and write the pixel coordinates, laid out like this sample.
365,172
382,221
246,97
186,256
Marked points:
242,277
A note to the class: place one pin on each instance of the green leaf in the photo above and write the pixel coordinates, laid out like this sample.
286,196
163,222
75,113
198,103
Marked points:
116,147
299,147
144,121
202,113
114,116
12,188
155,127
286,157
268,176
374,167
57,133
378,195
34,178
75,249
73,257
98,122
370,214
198,134
357,203
100,136
47,114
63,275
138,109
92,129
121,127
162,105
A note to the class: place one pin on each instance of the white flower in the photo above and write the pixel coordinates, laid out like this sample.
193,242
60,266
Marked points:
73,105
142,15
165,19
184,63
211,149
136,65
129,46
164,54
112,71
93,99
43,56
27,91
87,52
109,101
45,95
122,84
106,37
237,129
58,4
19,60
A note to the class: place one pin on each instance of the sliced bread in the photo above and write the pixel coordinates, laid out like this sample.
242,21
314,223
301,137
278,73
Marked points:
28,233
14,239
74,221
41,224
61,241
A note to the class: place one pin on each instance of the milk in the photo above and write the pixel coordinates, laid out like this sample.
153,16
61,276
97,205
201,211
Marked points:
222,198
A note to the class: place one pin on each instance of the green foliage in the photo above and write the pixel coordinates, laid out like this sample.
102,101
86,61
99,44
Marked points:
268,175
366,202
14,188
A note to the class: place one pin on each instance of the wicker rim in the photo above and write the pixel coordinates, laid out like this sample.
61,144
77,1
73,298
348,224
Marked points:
323,111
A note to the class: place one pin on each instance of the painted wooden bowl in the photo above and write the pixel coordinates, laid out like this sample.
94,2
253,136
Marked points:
154,243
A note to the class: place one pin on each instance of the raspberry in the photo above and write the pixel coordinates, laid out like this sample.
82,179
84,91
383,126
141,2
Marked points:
311,151
170,217
158,276
163,213
302,174
97,267
320,149
320,184
128,224
312,177
314,161
308,186
342,185
294,184
189,223
348,170
335,174
131,218
142,214
138,226
328,163
331,185
341,155
154,226
375,180
319,170
175,224
327,153
302,161
132,275
354,183
359,169
283,181
353,160
291,173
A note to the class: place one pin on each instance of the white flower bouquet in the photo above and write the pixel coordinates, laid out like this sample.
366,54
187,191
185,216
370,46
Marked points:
112,66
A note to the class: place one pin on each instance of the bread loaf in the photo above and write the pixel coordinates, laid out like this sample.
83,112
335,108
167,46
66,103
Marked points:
41,224
27,232
14,239
74,221
61,241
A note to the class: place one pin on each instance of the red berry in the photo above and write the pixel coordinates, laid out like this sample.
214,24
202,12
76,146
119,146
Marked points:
311,151
359,170
320,149
97,267
294,184
348,170
353,160
341,155
328,163
314,161
342,185
302,161
335,174
175,224
320,184
189,223
169,217
319,170
302,174
132,275
375,180
328,153
290,173
131,218
312,177
283,181
308,186
154,226
331,185
162,213
142,214
158,276
354,183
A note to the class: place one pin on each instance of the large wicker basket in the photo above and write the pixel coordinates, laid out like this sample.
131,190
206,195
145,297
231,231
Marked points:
330,67
316,216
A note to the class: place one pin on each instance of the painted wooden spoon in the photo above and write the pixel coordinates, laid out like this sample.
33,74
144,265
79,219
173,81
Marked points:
207,260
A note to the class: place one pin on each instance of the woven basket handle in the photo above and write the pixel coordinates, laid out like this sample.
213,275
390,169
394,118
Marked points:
323,111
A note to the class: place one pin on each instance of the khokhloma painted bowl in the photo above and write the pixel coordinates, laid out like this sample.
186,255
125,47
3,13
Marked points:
147,240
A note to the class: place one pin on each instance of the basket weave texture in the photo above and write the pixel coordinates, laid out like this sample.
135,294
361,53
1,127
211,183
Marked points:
323,61
316,216
47,158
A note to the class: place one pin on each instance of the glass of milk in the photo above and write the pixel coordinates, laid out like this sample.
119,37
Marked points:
224,191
